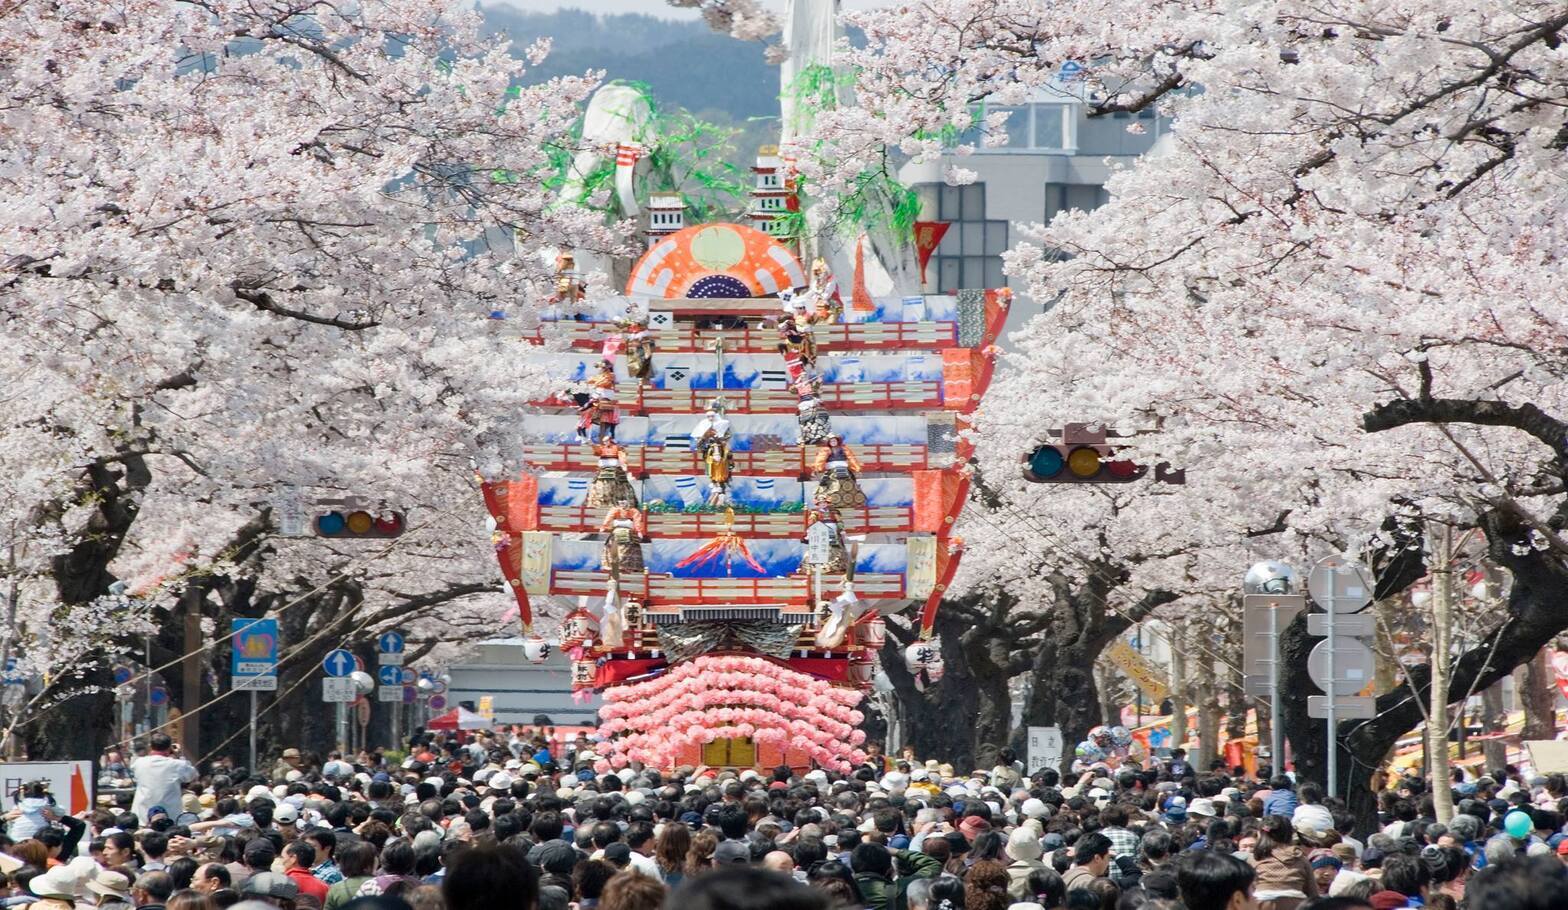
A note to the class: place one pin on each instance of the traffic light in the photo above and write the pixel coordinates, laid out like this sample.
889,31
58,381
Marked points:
359,524
1080,464
1083,456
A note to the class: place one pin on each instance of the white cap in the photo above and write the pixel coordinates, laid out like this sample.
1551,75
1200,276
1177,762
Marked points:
501,780
1034,808
285,814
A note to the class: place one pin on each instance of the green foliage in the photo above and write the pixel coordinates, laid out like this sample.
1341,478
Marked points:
875,199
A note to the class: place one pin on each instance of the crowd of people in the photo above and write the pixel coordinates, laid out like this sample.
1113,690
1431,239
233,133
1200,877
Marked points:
499,821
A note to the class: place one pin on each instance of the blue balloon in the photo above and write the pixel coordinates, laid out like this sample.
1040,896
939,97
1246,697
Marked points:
1518,824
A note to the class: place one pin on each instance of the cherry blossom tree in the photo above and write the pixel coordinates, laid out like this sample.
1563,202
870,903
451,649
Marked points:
1333,295
252,247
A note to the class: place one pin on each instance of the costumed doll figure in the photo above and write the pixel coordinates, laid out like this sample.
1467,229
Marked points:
569,286
637,341
794,330
602,412
815,426
821,512
836,470
624,529
711,440
612,484
824,288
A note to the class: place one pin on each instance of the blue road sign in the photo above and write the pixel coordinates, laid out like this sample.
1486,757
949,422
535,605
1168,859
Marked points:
390,676
338,663
158,696
255,662
408,677
122,674
390,642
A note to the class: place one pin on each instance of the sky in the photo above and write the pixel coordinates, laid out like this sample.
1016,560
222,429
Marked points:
651,7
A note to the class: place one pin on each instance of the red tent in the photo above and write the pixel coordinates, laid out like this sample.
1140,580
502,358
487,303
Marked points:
458,719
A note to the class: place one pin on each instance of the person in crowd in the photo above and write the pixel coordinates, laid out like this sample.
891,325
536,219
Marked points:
299,858
188,899
151,890
272,888
1215,881
211,878
1091,860
159,776
357,861
632,890
1284,877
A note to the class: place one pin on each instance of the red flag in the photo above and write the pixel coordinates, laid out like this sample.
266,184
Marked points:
928,235
80,802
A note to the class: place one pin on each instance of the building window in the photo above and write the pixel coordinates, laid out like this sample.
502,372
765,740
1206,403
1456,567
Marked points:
970,255
1084,197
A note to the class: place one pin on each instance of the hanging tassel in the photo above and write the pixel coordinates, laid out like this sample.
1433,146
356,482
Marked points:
860,298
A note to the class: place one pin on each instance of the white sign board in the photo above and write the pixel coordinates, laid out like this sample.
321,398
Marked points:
1045,749
819,544
288,510
337,688
255,684
1346,707
389,658
70,782
389,693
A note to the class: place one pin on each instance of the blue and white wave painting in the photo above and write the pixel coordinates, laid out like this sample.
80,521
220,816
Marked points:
750,431
757,371
777,557
755,492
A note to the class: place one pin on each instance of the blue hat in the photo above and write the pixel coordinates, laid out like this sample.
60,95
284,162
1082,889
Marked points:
382,777
691,818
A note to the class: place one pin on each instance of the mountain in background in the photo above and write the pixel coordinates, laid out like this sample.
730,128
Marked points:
684,63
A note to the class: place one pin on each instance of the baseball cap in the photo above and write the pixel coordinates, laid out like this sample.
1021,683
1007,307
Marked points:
554,856
285,814
618,854
730,851
270,884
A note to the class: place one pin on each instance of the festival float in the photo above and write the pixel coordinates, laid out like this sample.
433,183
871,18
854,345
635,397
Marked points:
739,476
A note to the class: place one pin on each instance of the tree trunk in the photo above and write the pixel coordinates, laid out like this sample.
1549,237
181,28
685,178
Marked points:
1494,719
76,722
935,721
1178,691
1440,557
1105,682
1065,694
1537,687
1207,695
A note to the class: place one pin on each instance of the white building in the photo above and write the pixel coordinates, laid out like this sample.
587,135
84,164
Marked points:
1056,157
520,690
